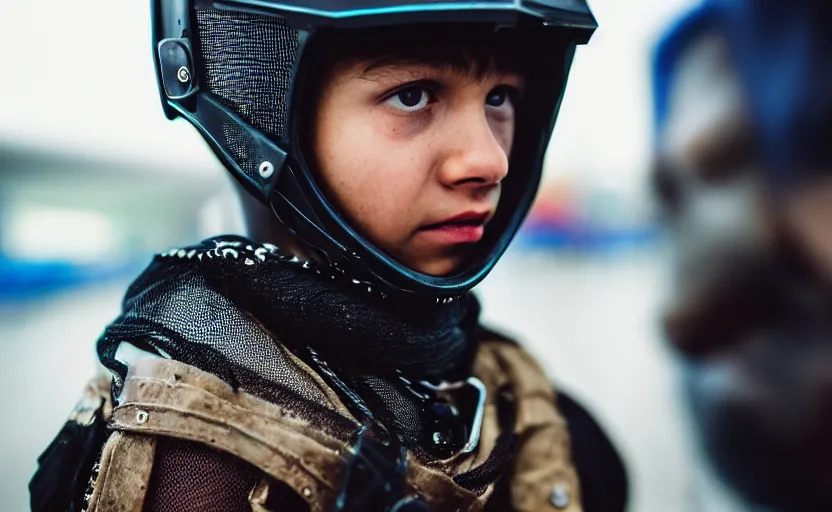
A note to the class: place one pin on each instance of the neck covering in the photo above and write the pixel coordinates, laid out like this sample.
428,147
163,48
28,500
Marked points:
228,304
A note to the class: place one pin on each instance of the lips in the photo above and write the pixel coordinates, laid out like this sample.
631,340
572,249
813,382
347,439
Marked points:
463,219
467,227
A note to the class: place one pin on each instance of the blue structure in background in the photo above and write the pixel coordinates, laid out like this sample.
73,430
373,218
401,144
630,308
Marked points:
597,239
570,217
25,280
21,280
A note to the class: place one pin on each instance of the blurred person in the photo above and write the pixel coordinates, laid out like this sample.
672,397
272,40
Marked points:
333,359
743,112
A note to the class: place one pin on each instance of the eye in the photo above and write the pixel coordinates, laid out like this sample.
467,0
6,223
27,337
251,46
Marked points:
410,99
500,96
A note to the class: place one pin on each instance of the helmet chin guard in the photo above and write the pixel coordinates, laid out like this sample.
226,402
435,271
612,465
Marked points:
232,69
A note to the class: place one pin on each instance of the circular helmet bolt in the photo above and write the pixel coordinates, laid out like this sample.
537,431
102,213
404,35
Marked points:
266,169
560,496
183,75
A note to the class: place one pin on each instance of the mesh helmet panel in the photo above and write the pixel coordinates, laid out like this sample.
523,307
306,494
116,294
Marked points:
247,64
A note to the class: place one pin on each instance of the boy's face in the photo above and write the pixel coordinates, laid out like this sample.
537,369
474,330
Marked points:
413,154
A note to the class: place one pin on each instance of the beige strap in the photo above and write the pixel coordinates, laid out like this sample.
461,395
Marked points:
172,399
187,412
544,478
124,473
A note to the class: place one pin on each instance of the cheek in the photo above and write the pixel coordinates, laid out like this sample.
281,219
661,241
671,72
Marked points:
368,171
503,130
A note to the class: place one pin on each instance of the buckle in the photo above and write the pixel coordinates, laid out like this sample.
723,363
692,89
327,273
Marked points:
450,392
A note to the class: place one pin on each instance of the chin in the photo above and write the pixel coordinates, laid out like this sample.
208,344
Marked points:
439,267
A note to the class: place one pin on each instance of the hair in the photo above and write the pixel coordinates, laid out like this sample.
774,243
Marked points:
476,49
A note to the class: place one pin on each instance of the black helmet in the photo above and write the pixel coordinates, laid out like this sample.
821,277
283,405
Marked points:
234,69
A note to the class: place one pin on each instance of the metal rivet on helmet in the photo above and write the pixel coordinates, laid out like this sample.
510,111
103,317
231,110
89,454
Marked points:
266,169
184,75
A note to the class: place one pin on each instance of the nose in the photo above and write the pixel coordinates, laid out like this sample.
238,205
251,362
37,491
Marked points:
474,157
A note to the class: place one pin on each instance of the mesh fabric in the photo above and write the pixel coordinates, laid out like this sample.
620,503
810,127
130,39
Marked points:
397,409
172,311
247,64
247,153
219,307
190,476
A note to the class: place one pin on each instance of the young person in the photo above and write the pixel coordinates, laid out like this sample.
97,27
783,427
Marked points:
333,359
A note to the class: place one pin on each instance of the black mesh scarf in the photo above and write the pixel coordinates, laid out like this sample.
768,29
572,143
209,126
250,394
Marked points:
225,304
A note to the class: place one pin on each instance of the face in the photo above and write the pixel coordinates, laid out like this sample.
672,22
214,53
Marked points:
711,191
413,155
750,307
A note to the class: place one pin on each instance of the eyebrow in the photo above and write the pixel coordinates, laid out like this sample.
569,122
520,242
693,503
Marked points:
470,68
382,66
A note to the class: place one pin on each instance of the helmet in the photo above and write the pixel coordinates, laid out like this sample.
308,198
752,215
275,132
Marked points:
236,69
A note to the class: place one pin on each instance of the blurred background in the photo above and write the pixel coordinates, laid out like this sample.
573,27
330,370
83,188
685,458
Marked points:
94,180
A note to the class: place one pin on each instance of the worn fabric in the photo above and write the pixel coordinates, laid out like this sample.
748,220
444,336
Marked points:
185,403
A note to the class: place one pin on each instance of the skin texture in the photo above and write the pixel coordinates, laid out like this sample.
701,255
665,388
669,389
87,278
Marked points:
750,306
402,146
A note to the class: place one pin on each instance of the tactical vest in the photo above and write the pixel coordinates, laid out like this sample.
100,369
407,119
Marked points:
162,397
